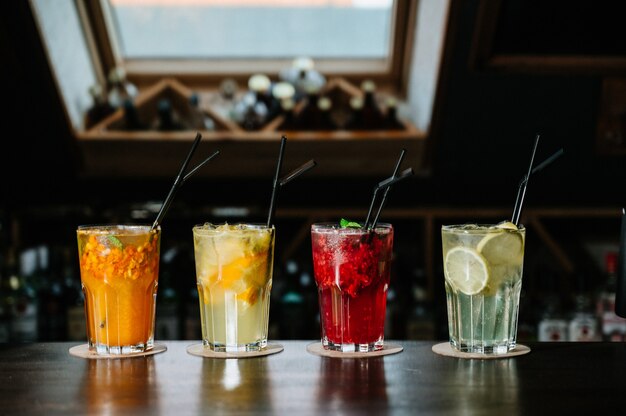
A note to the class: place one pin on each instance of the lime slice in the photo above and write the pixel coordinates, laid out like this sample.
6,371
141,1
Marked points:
466,270
502,247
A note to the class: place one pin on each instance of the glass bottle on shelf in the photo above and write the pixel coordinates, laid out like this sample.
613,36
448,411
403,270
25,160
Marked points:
309,114
391,121
613,327
261,86
76,328
288,123
52,317
251,111
300,74
420,324
24,313
131,116
281,91
373,117
167,318
583,324
120,88
224,101
552,326
198,119
100,107
292,306
193,326
324,121
355,120
167,118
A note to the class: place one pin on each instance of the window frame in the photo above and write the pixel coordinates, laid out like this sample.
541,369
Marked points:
391,74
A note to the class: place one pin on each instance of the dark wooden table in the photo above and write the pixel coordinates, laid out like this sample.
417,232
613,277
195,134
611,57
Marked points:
554,378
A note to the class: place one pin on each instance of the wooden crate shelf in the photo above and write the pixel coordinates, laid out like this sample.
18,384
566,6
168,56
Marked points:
108,150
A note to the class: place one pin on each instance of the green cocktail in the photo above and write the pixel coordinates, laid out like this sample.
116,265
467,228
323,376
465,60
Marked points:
483,278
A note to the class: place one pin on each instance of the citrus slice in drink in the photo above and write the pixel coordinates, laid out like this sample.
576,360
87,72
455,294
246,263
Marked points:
507,225
466,270
505,247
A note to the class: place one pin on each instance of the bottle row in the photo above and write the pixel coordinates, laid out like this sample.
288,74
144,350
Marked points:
299,95
121,94
591,316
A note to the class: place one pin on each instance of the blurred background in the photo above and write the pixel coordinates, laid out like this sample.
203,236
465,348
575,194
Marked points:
103,100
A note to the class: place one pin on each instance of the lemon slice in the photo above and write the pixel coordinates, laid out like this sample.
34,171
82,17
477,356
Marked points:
507,225
502,247
466,270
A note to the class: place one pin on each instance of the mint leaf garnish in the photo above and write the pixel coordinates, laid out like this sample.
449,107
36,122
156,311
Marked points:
113,240
349,224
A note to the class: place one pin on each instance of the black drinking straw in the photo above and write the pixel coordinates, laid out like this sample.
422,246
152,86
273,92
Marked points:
204,162
547,161
386,185
620,297
275,185
384,198
536,169
521,191
377,188
371,208
297,172
177,182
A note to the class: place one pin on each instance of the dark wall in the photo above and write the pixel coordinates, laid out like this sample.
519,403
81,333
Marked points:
38,159
489,122
481,145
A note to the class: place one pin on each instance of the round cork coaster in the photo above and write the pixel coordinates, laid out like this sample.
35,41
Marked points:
201,351
83,351
446,349
317,348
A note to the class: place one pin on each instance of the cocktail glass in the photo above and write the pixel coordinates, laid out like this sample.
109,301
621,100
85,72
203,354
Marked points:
483,279
234,265
119,269
351,268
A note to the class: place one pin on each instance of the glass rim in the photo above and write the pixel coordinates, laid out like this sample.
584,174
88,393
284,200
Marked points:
459,228
114,227
249,226
334,225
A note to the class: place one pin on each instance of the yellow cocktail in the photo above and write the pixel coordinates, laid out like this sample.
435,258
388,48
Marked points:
234,276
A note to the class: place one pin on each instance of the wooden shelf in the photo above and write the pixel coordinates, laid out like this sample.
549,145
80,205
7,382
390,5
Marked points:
109,151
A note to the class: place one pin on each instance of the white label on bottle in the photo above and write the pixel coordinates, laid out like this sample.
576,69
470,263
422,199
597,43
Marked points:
552,330
583,329
612,325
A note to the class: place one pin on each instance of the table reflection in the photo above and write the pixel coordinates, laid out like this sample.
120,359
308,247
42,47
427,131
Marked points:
121,384
242,385
489,383
356,382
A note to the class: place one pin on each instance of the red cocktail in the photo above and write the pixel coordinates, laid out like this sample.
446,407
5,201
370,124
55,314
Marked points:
351,267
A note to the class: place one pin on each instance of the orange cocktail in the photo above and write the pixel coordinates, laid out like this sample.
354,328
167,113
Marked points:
119,269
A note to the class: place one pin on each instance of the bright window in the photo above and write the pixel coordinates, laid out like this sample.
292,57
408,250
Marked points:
218,38
214,29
